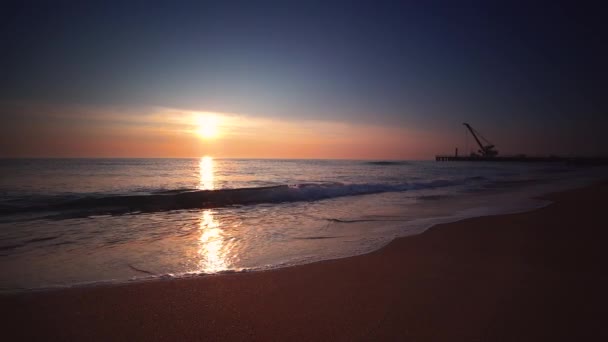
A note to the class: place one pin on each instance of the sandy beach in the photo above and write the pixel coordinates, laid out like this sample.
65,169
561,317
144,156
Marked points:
533,276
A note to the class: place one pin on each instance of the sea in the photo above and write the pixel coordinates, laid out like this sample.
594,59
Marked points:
84,222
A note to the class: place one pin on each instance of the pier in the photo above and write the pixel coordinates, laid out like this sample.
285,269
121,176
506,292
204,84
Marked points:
488,153
501,159
525,159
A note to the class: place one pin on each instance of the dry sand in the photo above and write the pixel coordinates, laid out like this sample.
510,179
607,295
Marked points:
541,275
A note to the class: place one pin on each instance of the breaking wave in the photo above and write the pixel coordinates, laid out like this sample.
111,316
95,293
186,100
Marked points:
194,199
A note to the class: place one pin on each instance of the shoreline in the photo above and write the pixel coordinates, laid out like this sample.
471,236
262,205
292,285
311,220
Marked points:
454,281
442,220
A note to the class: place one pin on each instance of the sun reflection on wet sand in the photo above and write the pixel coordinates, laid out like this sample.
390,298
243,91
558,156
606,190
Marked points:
206,181
212,250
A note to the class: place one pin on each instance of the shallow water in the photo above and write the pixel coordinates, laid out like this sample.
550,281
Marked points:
74,221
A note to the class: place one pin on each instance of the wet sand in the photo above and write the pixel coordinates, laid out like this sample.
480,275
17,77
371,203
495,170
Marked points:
541,275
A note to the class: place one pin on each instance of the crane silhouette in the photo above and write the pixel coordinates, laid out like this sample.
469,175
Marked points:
487,150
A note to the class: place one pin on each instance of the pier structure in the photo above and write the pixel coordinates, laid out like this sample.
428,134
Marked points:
488,153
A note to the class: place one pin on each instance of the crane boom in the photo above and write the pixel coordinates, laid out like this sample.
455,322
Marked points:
474,135
486,151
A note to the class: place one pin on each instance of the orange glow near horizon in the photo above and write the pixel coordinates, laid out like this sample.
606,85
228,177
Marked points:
176,133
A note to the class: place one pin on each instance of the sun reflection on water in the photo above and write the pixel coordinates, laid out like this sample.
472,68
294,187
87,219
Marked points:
212,251
206,181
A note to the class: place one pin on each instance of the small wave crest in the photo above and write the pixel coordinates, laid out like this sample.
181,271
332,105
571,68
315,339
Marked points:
168,200
386,162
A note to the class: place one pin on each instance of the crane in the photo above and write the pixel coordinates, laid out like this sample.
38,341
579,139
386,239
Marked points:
485,151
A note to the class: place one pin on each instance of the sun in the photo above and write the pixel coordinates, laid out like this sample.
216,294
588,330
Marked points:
207,125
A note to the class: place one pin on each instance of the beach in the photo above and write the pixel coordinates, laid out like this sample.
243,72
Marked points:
303,171
538,275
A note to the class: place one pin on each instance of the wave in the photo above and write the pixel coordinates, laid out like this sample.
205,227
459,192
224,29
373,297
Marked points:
384,162
175,200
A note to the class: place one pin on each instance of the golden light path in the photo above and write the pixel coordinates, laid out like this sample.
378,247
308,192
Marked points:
212,251
206,181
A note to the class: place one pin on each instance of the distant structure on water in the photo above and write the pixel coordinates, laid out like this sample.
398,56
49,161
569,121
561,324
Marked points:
487,152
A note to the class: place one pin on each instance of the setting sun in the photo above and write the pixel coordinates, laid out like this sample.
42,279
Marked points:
207,126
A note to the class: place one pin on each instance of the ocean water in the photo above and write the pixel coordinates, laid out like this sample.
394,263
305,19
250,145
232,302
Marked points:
68,222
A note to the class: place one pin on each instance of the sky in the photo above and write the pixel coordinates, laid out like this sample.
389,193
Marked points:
301,79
